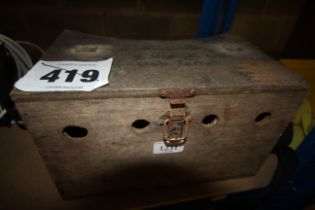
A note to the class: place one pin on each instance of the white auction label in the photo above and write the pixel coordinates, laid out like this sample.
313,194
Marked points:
160,148
65,76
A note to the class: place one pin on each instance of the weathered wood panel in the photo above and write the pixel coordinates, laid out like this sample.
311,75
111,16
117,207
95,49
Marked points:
113,156
233,81
223,64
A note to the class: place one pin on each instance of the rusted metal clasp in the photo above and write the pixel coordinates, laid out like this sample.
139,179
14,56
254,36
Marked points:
175,127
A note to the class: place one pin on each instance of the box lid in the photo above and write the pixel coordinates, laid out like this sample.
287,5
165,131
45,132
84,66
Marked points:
223,64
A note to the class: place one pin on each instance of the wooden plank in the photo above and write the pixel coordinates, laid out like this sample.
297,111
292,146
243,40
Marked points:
114,157
223,64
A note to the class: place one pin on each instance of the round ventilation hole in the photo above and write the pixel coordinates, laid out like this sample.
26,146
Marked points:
75,131
210,120
140,124
263,118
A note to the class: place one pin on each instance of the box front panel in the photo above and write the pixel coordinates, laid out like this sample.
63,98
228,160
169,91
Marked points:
103,145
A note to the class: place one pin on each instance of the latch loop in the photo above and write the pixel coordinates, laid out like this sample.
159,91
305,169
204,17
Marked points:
175,127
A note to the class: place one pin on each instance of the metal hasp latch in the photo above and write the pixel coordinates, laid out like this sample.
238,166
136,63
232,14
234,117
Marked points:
175,127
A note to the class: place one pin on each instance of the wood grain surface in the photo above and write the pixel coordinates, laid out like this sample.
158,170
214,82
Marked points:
26,184
219,65
233,80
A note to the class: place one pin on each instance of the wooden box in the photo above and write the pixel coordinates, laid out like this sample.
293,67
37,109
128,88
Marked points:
219,103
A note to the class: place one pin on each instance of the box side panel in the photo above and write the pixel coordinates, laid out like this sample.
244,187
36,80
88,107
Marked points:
114,156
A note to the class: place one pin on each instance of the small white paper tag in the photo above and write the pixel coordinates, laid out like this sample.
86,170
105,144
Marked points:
65,76
160,148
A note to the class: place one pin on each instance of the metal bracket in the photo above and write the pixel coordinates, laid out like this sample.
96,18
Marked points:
175,127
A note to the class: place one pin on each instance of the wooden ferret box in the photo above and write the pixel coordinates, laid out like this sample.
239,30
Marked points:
175,113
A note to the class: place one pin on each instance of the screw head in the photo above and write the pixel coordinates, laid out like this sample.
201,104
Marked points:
163,93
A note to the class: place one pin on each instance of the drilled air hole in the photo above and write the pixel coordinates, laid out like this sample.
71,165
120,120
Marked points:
75,131
210,120
140,124
263,118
